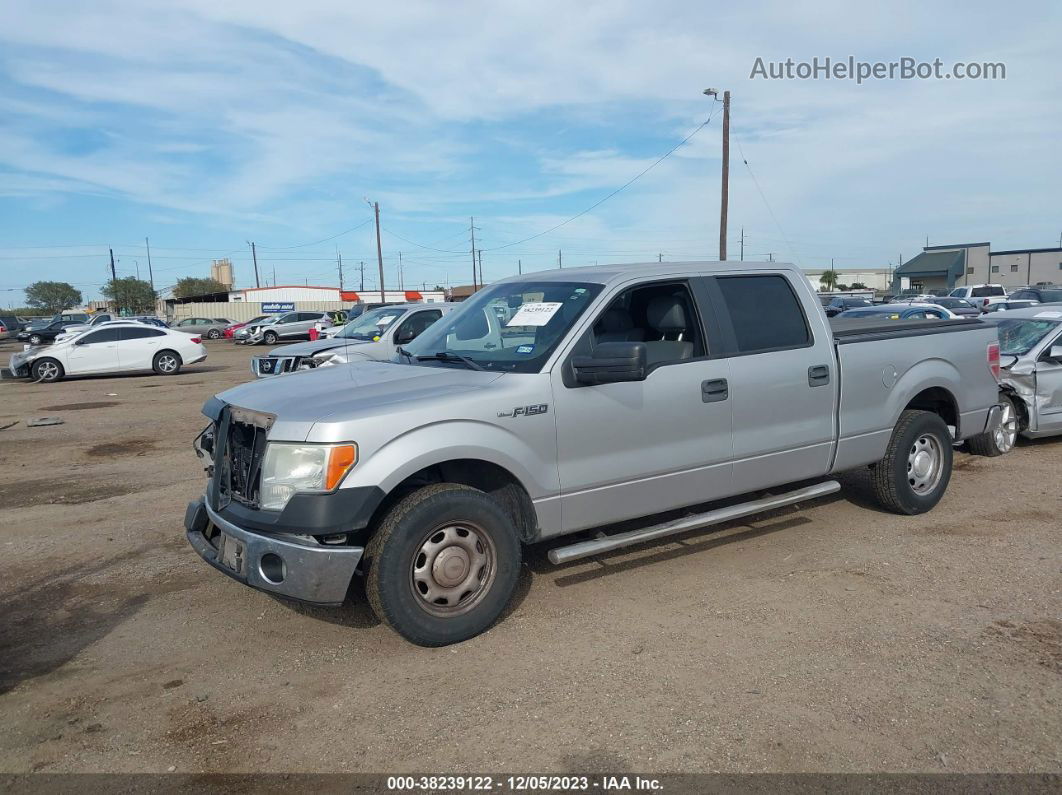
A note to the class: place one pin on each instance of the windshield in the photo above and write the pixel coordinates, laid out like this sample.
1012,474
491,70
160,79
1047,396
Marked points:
510,326
371,325
1018,337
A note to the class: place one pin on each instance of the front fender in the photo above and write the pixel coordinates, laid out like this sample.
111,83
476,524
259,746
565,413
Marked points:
530,457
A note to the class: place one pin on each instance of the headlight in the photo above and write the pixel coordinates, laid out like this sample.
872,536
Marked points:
327,358
291,468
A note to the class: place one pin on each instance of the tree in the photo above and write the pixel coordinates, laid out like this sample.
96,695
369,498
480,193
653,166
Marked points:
842,286
52,296
858,286
130,294
828,279
190,286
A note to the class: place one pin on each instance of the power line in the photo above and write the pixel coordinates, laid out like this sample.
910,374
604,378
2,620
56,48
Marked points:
421,245
316,242
766,203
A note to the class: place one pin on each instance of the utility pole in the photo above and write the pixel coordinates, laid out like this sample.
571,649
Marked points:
136,264
151,276
401,277
339,261
254,256
723,200
361,284
379,251
660,257
274,275
519,266
742,244
770,256
114,284
560,259
472,229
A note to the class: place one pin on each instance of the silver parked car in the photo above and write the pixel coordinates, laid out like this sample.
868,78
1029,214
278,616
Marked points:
375,335
210,327
1030,376
289,326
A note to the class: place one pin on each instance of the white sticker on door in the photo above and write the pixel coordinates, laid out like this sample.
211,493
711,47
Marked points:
534,313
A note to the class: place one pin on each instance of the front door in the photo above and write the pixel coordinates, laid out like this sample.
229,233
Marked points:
633,449
1049,389
94,352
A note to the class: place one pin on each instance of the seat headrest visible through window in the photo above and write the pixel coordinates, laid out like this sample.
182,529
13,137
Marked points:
667,313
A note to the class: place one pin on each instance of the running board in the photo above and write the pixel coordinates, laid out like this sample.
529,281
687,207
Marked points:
608,543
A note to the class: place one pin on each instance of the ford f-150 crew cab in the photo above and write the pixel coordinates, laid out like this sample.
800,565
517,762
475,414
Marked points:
552,403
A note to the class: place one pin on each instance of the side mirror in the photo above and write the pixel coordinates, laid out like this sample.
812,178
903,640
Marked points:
611,363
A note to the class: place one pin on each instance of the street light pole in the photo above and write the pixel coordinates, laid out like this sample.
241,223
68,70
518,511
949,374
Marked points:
723,200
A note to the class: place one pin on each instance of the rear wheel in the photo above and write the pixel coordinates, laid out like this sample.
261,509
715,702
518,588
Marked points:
1003,439
166,363
443,564
913,475
46,370
213,334
35,339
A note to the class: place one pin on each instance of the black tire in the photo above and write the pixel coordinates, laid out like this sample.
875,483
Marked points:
213,334
47,370
395,552
1002,441
897,487
167,363
270,338
35,339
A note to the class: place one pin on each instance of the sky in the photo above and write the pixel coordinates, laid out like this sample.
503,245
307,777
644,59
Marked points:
204,125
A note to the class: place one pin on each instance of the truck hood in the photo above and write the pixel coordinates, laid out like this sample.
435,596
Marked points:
302,399
307,348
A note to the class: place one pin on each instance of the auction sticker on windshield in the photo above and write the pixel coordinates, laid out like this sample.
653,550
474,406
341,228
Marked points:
535,314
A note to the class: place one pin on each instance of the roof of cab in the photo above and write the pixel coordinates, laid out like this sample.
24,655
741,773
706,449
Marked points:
605,274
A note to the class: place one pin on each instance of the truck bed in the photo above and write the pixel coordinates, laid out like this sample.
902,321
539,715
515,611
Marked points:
858,329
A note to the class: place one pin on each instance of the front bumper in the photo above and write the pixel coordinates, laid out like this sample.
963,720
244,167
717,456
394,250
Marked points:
293,566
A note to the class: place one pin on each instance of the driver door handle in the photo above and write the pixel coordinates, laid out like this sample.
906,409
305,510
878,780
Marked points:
714,390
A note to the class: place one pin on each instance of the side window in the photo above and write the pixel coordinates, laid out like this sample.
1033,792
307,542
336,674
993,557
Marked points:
414,325
133,333
312,316
291,317
660,315
916,315
764,312
185,323
103,335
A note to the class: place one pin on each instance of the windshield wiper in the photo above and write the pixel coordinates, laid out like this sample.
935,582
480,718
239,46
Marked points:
446,356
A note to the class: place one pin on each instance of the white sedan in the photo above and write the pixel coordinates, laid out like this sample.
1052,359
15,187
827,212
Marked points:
117,347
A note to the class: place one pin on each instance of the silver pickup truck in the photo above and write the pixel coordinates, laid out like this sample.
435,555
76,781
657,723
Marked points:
553,403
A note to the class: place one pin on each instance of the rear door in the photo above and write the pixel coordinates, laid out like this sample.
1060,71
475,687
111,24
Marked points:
137,346
783,384
94,352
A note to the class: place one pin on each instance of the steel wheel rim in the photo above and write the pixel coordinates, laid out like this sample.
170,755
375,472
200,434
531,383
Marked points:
167,363
453,568
1007,433
47,370
925,464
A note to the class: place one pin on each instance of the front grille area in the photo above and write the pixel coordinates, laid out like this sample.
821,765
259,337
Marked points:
238,458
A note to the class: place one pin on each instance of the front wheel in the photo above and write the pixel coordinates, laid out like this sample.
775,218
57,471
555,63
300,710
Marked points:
47,370
443,564
1003,439
35,339
270,338
166,363
913,475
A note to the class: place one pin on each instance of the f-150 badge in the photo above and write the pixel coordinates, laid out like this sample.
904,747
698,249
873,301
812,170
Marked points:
526,411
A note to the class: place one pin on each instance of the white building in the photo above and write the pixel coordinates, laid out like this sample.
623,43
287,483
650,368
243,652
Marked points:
301,293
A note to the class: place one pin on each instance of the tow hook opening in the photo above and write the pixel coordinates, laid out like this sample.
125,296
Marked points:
272,568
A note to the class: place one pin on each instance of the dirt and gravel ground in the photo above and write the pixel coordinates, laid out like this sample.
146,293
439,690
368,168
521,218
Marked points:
825,637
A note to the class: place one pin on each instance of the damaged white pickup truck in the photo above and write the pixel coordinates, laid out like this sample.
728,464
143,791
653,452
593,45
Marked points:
1030,358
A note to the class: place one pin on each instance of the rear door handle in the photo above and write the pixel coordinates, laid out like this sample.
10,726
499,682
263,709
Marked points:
714,390
819,375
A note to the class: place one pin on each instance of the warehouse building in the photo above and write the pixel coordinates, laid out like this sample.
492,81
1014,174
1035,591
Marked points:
960,264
